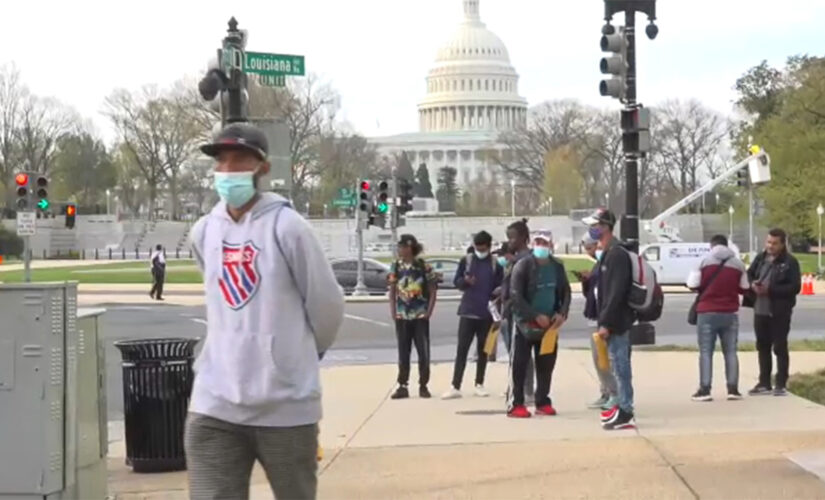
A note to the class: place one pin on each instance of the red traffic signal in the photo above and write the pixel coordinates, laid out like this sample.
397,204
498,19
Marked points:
365,185
21,179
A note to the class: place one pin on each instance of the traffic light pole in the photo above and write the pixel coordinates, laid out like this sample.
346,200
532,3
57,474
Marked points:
360,288
27,259
750,221
234,43
395,215
630,223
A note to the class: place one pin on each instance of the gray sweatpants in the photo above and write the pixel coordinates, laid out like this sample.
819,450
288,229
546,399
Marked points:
220,456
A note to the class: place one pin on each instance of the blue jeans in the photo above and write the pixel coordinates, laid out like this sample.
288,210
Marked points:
726,327
618,348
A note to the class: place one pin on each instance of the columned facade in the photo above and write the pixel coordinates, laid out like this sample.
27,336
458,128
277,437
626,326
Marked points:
471,98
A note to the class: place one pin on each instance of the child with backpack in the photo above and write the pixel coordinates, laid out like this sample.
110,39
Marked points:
413,286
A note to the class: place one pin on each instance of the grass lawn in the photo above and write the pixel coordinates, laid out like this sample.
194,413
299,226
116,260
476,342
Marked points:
177,271
793,345
570,264
810,386
807,262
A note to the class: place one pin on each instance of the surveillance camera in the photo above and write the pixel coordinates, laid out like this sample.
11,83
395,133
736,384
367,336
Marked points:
211,84
652,30
608,29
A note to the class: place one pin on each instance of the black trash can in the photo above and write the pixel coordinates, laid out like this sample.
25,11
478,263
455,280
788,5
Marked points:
157,383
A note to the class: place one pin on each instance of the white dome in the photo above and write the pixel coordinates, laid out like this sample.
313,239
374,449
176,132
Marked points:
472,84
474,42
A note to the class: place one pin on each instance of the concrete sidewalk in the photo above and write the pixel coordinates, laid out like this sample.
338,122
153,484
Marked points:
467,448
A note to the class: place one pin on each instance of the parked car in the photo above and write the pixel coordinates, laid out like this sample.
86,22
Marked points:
445,268
375,274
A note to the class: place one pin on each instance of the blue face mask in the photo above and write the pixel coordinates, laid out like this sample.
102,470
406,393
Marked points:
599,254
235,188
595,233
502,261
541,252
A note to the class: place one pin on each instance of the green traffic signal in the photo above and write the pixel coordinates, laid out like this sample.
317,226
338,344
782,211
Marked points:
43,204
382,208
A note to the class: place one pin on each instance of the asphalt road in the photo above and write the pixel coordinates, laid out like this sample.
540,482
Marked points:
368,335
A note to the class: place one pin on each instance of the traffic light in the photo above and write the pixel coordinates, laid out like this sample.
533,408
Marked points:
365,203
71,212
636,129
614,65
42,193
22,181
742,177
382,205
405,196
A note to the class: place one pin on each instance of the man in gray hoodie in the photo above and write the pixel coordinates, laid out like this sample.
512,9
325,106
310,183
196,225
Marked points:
273,308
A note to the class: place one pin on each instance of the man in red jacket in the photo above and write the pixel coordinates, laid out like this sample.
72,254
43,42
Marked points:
720,279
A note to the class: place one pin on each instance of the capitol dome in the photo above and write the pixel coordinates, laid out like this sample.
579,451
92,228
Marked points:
472,85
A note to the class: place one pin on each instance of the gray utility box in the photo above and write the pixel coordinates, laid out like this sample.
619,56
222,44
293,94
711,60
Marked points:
52,395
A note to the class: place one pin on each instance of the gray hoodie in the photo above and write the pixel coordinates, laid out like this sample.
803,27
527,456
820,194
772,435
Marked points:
270,312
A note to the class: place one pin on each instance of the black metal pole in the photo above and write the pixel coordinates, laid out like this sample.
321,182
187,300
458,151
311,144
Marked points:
630,222
233,43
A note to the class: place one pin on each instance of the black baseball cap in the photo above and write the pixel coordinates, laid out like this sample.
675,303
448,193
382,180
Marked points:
407,240
238,136
601,216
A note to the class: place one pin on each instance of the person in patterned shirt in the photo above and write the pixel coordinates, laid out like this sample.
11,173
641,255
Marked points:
413,286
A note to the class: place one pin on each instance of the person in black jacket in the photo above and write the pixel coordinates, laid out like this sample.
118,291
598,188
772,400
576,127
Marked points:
615,315
540,295
776,281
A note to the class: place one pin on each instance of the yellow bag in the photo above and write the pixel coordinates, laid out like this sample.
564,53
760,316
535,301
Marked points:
492,339
548,342
602,358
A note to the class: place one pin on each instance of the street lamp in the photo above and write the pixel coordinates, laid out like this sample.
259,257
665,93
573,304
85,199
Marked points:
550,200
716,207
820,210
513,197
730,212
108,202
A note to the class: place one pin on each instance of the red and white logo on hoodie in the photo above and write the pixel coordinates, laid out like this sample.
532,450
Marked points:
239,278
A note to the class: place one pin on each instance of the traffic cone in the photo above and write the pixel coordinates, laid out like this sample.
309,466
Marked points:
807,285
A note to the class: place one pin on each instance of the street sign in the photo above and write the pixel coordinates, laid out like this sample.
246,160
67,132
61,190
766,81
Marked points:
26,223
262,63
272,80
345,193
343,202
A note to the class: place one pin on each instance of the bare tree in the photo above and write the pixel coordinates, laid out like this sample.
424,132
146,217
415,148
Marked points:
688,140
308,106
12,93
42,122
157,130
550,125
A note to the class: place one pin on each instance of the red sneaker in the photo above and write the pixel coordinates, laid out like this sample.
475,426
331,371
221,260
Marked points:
520,411
546,410
609,414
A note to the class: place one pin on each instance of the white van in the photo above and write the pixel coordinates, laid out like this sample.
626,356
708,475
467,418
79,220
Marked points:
673,262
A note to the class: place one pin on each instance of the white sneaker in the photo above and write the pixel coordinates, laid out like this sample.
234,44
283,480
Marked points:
453,393
481,392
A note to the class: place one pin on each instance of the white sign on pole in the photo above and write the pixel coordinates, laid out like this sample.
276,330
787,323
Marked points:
26,223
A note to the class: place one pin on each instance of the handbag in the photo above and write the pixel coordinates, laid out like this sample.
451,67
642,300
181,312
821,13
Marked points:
693,316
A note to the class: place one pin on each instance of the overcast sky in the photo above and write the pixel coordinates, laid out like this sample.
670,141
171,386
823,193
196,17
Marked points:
377,53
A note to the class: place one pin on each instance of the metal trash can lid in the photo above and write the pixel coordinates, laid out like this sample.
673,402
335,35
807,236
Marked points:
145,349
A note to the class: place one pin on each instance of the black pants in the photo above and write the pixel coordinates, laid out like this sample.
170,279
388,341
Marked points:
469,328
408,332
772,333
545,364
157,284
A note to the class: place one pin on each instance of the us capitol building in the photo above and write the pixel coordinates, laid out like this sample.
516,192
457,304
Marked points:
472,96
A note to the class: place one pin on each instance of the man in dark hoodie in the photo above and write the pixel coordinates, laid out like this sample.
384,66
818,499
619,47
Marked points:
615,315
478,275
